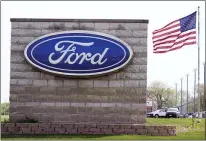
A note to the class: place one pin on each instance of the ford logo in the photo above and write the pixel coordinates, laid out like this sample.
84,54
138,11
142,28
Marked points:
78,53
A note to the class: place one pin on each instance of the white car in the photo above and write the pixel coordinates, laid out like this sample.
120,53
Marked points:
158,113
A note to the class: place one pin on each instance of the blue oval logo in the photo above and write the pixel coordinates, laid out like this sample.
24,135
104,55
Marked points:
78,53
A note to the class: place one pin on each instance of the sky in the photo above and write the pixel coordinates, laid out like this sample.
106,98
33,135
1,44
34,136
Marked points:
168,68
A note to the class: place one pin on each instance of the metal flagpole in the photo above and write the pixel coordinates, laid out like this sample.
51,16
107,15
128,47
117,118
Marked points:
198,62
204,88
181,98
187,93
194,90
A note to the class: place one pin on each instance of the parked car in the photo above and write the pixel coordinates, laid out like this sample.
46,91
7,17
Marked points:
148,114
188,115
173,112
203,113
158,113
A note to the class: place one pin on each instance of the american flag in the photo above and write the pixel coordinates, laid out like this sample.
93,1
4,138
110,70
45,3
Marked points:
175,35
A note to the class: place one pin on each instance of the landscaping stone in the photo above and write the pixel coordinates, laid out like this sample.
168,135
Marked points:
68,128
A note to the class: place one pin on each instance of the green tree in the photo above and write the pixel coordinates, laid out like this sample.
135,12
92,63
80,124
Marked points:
170,98
184,97
163,95
5,108
202,107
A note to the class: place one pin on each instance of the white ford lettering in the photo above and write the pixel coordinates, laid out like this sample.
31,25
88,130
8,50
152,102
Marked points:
78,53
93,58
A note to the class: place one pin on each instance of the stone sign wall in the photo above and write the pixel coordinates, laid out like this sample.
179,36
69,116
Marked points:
119,97
69,128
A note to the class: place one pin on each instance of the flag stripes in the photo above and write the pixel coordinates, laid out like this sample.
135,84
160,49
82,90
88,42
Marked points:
174,35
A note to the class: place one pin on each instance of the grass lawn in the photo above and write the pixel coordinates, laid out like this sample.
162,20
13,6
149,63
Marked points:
182,124
198,135
184,132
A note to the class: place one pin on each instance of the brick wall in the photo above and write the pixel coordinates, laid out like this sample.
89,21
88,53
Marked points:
116,98
69,128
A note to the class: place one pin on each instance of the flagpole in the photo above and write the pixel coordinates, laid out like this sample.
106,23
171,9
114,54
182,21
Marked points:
198,44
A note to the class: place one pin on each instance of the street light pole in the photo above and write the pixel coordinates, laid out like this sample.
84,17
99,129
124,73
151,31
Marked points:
181,97
187,93
176,93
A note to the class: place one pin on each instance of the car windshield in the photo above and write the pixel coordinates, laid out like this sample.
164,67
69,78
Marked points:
162,110
156,111
172,109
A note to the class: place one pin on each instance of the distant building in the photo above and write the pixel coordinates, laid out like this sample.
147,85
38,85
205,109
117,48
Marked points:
151,104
